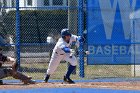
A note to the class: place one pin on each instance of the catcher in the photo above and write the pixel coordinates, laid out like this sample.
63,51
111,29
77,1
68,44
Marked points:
12,71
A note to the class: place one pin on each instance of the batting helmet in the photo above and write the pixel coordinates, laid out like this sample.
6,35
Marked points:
65,32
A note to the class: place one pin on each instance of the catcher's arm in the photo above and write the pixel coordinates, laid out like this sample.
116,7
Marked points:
14,63
4,59
10,59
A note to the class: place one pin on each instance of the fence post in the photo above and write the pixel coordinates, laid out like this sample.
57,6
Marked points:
72,20
80,32
18,33
72,16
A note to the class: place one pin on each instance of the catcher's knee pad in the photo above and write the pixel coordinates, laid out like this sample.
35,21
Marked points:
8,71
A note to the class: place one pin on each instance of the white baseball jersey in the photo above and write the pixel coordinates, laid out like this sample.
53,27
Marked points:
59,55
61,44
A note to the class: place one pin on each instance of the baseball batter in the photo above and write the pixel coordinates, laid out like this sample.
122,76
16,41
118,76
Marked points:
63,51
12,71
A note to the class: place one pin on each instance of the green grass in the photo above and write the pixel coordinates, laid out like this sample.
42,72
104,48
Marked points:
38,70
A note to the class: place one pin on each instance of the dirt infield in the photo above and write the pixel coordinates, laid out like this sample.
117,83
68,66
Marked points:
108,85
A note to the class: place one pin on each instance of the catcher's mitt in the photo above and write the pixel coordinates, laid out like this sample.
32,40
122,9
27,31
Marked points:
15,66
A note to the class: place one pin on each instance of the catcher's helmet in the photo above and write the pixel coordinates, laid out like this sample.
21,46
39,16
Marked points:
65,32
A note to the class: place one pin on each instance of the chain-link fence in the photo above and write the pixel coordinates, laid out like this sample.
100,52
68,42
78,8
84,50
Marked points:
112,37
34,35
40,24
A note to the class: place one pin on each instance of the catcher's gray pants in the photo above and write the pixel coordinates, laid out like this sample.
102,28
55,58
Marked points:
5,72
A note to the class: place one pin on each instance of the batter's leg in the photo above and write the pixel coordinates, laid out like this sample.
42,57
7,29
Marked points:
54,62
73,62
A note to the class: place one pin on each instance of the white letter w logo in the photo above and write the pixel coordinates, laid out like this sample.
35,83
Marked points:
108,15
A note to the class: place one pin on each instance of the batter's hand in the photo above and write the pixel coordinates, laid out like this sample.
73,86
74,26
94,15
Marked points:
87,52
72,51
81,39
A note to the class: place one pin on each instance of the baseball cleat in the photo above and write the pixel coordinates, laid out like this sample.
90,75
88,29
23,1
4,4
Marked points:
68,81
46,78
